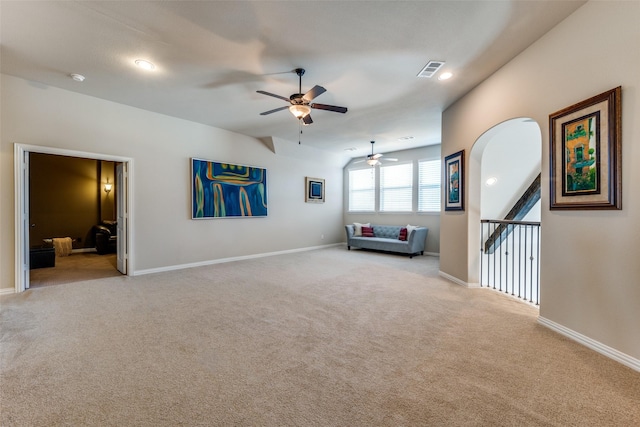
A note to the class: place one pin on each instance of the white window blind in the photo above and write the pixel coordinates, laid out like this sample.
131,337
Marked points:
429,186
362,190
396,188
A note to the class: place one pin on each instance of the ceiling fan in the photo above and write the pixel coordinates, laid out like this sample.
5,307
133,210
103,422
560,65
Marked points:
374,159
300,103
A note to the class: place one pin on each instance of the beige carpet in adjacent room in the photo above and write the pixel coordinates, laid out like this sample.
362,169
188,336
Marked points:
76,267
323,338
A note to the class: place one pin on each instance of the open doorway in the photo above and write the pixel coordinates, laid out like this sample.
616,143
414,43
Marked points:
503,164
59,224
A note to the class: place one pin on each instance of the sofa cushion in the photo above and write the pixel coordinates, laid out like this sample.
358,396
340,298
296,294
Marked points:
367,231
357,228
386,231
403,234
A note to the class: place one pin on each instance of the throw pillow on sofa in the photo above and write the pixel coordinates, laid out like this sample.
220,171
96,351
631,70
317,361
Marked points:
357,228
367,232
403,234
410,228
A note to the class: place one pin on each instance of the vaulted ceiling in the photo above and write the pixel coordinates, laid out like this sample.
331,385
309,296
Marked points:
211,57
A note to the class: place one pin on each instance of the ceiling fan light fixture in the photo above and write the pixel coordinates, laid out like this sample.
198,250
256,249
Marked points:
299,111
372,162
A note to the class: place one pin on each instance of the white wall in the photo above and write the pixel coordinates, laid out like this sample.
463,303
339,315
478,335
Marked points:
161,147
590,273
429,220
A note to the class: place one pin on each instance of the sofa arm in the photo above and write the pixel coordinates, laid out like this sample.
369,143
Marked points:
417,239
350,230
101,229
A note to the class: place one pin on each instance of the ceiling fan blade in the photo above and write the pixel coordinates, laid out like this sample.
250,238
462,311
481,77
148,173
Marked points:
315,91
274,95
376,156
329,108
307,119
274,110
359,161
390,159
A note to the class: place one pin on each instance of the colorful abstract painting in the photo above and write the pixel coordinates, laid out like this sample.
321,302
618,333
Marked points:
224,190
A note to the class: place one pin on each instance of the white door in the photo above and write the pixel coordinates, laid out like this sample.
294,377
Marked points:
122,216
22,282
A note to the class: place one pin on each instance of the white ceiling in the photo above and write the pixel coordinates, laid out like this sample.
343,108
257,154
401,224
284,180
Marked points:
212,56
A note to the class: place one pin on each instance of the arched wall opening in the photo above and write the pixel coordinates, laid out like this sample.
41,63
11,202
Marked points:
510,152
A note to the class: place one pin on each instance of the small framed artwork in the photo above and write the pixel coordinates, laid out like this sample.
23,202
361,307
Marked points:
227,190
454,182
314,190
585,154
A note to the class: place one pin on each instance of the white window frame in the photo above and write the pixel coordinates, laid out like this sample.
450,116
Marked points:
373,190
433,186
397,192
377,190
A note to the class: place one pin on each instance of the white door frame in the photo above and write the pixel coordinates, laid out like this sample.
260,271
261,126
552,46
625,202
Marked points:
122,217
22,200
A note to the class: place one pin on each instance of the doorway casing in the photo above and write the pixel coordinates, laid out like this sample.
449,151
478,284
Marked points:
21,187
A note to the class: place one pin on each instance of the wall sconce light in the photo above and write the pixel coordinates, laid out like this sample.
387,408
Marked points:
108,186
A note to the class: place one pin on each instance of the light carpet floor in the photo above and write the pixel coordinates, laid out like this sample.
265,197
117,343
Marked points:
322,338
77,267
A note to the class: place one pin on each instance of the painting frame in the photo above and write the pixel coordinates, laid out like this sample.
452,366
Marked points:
585,169
227,190
314,190
454,182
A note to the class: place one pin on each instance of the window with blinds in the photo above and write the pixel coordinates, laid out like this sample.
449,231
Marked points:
396,188
362,190
429,176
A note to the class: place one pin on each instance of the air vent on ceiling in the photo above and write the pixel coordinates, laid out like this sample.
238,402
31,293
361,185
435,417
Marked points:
430,69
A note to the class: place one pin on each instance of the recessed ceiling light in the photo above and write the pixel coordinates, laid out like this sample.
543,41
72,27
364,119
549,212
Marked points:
144,64
77,77
445,76
350,149
405,138
492,180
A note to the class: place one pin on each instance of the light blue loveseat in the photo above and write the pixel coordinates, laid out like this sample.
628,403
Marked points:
386,239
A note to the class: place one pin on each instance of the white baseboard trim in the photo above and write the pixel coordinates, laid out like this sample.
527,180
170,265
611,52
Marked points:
597,346
7,291
436,254
231,259
82,250
458,281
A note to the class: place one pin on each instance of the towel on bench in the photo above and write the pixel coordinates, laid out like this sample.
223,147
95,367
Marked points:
62,245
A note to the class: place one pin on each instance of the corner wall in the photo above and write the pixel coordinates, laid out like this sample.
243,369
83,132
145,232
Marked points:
589,267
164,234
